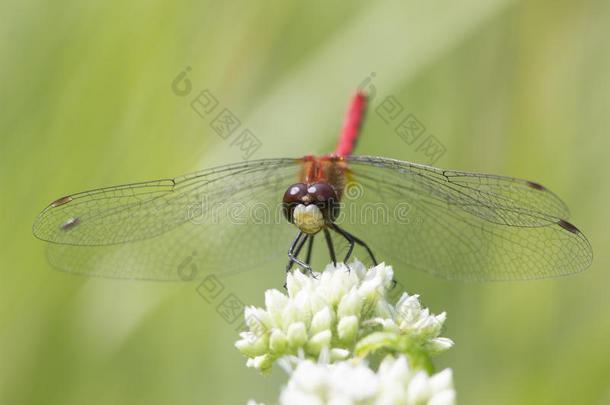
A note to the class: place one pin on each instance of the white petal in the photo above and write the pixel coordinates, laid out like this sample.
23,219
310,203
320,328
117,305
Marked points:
297,334
443,398
442,381
357,382
257,319
275,302
347,329
337,354
278,341
350,304
321,321
290,315
319,341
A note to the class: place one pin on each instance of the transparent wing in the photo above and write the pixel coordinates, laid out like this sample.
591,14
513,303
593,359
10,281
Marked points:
452,224
222,220
461,225
137,211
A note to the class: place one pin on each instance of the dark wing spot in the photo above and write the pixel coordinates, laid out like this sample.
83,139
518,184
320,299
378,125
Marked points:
536,186
568,226
61,201
69,224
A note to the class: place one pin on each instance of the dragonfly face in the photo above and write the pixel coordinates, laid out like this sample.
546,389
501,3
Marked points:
310,207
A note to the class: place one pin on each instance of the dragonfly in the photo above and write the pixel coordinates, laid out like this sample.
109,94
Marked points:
452,224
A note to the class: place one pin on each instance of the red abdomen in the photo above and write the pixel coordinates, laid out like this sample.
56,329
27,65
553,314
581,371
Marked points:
351,125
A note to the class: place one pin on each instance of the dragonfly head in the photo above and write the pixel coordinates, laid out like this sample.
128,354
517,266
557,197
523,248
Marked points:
310,206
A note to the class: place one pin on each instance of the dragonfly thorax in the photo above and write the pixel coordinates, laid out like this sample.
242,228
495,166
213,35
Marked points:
310,206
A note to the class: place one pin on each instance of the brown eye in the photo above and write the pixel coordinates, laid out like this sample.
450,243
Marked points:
324,196
295,193
293,196
322,192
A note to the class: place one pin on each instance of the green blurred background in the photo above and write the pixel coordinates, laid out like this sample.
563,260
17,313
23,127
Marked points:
514,88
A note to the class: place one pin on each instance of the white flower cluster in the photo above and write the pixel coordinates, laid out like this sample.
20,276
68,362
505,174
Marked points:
344,383
344,312
328,329
410,330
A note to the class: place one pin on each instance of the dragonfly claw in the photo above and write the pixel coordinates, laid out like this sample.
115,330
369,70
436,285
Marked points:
347,267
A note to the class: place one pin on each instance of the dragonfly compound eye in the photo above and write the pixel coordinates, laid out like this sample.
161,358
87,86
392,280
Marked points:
325,197
292,197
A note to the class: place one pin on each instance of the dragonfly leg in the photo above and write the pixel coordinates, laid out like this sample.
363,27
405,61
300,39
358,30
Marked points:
309,250
361,243
364,245
358,241
349,238
331,249
295,249
292,255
